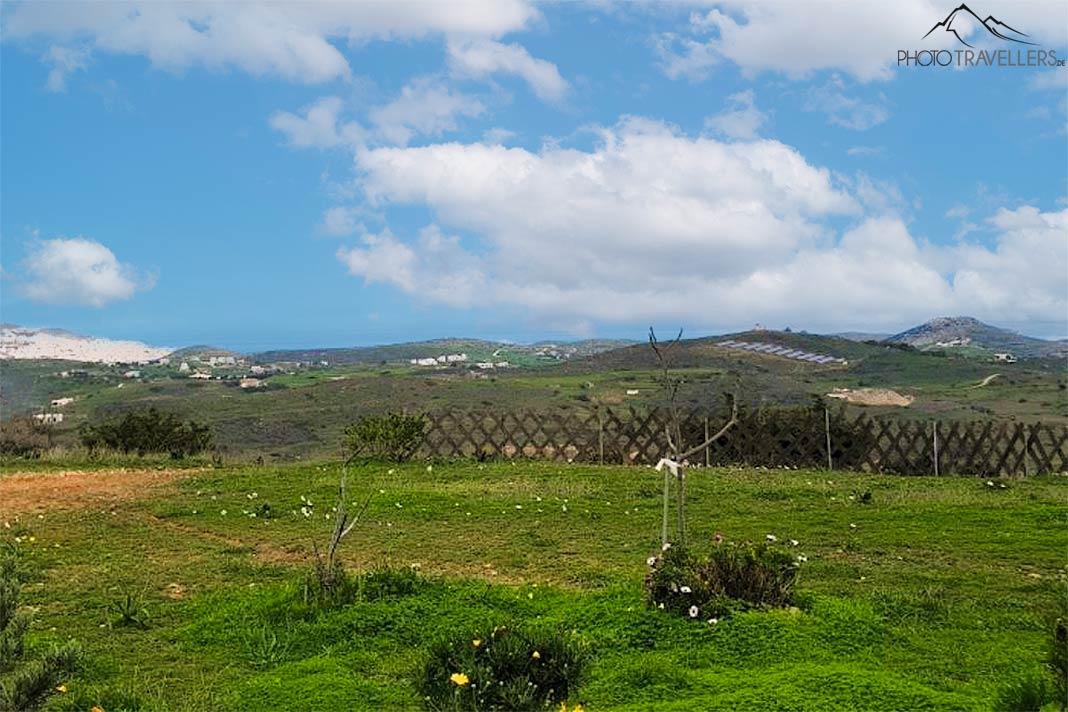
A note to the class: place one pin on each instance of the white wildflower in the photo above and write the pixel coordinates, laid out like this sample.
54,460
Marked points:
694,611
651,561
771,537
685,589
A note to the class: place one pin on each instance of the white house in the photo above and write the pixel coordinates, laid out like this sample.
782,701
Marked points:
1004,357
60,402
251,383
48,418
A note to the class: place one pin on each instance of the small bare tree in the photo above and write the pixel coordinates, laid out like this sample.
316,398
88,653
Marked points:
675,464
328,570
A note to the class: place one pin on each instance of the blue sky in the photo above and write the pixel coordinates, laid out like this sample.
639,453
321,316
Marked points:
260,176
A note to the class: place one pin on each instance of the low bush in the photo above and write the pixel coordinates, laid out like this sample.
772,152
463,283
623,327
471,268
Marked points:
503,669
147,431
24,437
393,437
731,578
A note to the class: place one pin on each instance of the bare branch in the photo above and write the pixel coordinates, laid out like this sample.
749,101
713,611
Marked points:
723,431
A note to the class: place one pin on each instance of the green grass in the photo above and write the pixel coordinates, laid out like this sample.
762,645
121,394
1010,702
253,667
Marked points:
931,597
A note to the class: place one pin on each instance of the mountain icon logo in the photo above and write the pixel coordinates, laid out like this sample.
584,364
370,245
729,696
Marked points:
961,21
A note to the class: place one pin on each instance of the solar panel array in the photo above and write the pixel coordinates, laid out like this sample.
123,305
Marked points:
784,351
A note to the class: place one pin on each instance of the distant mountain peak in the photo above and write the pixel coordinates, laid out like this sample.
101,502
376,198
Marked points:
946,329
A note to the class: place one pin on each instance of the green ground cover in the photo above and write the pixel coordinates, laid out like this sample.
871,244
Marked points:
934,595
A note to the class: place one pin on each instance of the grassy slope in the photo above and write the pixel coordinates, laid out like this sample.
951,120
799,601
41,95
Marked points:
304,413
932,601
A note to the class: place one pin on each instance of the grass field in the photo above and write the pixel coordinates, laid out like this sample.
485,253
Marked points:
935,595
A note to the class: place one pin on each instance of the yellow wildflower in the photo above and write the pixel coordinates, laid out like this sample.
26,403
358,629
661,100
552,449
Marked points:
536,655
97,708
476,642
61,688
459,679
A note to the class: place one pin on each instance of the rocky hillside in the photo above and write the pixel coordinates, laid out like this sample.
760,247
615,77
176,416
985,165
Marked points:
964,332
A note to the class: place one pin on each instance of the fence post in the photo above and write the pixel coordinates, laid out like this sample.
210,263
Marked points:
827,429
934,435
600,435
708,447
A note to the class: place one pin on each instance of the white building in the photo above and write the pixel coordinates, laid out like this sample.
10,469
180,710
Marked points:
60,402
48,418
132,374
251,383
1004,358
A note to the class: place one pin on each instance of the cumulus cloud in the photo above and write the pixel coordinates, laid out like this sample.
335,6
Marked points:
741,119
652,224
857,38
482,57
317,126
423,108
436,268
78,271
291,40
1021,277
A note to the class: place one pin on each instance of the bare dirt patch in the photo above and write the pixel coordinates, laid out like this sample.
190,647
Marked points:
871,396
24,493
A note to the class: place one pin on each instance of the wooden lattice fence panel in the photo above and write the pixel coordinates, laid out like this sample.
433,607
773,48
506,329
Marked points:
769,438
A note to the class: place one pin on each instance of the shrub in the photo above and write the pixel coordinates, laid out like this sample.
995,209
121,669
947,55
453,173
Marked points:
24,437
731,578
393,437
25,683
503,669
148,431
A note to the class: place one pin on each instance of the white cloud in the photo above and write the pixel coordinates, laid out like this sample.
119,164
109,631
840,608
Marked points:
845,111
741,120
340,221
858,38
64,60
654,225
865,150
482,57
78,271
422,108
318,127
1022,278
685,57
437,269
292,40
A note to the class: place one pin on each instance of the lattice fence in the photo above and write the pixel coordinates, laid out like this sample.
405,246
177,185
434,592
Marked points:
776,438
